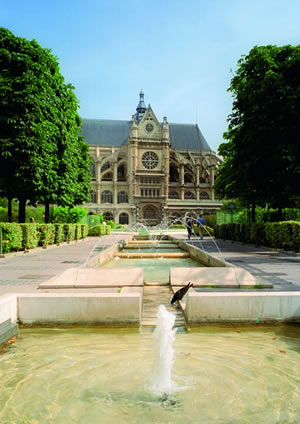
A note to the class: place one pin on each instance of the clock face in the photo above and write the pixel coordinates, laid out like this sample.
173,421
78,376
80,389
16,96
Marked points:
149,127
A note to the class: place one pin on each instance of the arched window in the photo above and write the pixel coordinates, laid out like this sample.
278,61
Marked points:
121,172
108,216
173,195
204,195
122,197
106,197
174,175
123,218
93,170
189,195
93,196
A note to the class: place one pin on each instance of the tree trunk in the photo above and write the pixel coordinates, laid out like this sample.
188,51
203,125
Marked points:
22,210
9,209
280,213
47,211
253,212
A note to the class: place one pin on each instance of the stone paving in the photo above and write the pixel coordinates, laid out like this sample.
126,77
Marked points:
278,267
23,272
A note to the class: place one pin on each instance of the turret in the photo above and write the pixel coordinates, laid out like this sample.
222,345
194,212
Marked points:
141,107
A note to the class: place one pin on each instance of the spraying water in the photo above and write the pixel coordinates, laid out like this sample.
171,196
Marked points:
163,336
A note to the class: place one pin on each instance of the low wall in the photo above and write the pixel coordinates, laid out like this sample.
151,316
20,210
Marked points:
265,307
8,317
110,309
199,255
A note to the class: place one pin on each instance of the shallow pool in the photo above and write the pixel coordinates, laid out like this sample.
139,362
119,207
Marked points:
233,375
155,269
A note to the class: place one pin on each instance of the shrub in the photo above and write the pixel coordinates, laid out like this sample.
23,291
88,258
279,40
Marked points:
59,234
12,236
257,233
69,230
65,215
47,234
95,231
30,236
78,234
84,230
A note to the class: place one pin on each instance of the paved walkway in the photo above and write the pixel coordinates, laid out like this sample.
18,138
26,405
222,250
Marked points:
23,272
280,268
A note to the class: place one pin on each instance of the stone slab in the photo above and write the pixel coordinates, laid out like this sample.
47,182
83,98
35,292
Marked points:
96,277
153,255
217,277
84,308
256,307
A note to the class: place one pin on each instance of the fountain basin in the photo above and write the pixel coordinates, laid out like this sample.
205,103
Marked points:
84,375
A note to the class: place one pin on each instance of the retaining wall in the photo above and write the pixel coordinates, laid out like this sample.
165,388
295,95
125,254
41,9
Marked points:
266,307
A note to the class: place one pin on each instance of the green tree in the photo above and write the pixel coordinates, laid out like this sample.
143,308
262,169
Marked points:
261,155
39,128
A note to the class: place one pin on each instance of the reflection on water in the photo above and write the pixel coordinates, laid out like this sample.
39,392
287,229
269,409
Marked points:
156,269
226,375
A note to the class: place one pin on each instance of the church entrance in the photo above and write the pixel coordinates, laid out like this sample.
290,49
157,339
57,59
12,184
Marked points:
150,215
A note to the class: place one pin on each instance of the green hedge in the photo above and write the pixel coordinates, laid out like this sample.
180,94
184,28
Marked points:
47,234
30,237
100,230
69,230
59,234
279,235
84,230
12,236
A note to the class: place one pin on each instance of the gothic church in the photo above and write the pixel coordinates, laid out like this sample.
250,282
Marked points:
147,171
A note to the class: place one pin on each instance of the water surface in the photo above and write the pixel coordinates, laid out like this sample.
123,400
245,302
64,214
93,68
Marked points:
232,375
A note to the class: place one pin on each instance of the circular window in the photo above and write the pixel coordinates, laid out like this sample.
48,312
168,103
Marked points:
149,127
150,160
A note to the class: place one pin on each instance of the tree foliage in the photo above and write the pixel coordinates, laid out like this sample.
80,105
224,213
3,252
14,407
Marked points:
42,154
261,156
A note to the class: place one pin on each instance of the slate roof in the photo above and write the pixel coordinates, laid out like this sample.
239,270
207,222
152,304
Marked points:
106,132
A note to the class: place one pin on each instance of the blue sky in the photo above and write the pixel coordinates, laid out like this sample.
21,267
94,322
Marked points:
182,53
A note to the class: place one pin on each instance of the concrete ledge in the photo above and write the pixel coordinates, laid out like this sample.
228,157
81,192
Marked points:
8,317
265,307
86,308
96,277
200,255
229,277
132,255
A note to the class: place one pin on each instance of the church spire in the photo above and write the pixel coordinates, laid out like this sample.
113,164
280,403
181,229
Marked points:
141,107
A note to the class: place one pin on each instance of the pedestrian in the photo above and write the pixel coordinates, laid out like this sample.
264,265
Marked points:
189,225
32,220
201,222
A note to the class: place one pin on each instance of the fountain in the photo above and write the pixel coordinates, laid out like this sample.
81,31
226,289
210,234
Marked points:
224,374
163,336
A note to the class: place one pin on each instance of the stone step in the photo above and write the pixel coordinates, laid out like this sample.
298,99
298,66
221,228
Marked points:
136,255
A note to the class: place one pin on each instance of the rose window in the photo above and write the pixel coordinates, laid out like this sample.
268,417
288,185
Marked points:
150,160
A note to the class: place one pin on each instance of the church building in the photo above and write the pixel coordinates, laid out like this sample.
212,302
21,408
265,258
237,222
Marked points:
147,171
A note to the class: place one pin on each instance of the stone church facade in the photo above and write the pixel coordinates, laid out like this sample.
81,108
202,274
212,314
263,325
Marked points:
147,171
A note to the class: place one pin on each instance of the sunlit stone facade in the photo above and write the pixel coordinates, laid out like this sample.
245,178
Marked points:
146,171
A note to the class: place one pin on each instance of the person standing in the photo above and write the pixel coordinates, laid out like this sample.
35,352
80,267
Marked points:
201,222
189,226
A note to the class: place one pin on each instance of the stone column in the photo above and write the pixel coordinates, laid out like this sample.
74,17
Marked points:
115,183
